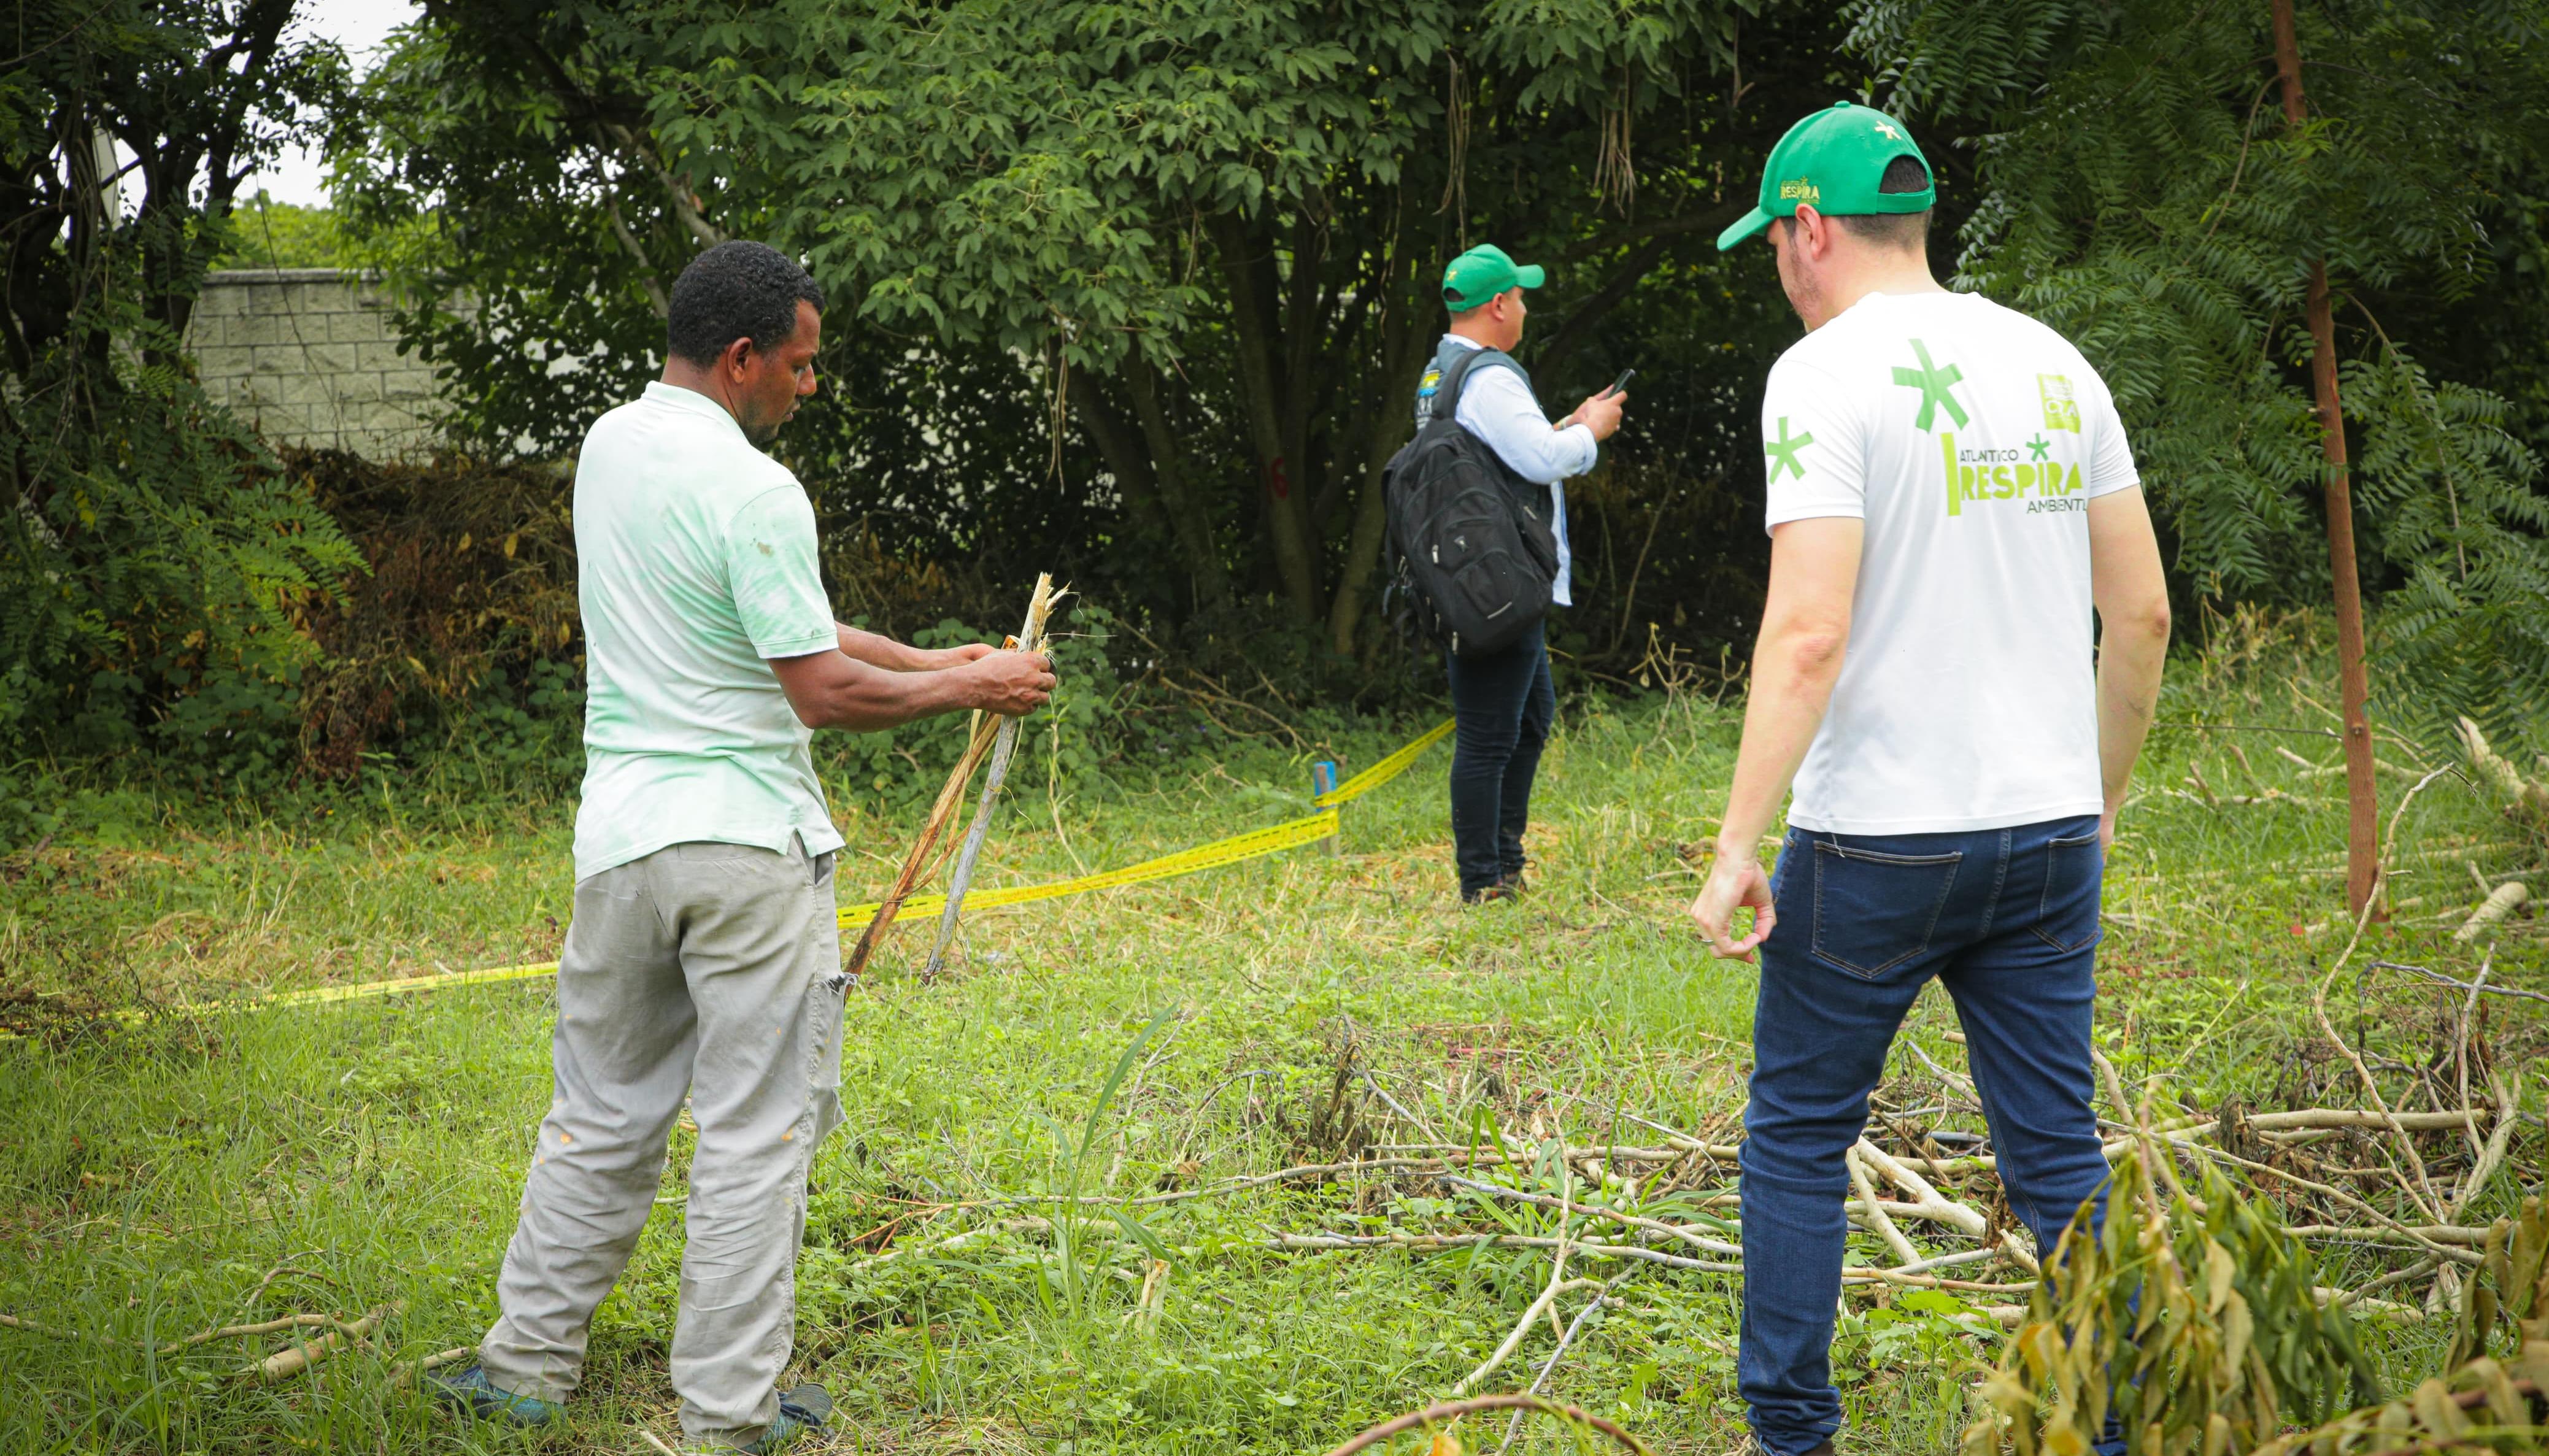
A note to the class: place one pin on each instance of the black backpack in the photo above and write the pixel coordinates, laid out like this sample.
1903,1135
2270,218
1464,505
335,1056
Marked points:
1472,556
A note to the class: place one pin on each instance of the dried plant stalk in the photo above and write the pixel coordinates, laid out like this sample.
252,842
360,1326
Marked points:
986,731
284,1364
1032,637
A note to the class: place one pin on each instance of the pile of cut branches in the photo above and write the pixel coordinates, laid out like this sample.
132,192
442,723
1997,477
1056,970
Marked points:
1605,1211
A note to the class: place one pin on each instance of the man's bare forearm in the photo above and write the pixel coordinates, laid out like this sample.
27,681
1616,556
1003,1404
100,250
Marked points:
883,652
833,690
2131,590
865,698
1794,667
2130,656
1795,661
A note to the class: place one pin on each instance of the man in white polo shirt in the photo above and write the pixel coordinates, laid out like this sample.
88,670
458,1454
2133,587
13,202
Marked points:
1950,497
705,957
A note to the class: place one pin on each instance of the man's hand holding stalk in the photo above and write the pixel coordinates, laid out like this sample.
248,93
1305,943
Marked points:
872,682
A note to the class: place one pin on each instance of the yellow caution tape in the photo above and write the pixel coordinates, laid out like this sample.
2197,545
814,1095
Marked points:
360,990
1256,843
1385,770
1220,851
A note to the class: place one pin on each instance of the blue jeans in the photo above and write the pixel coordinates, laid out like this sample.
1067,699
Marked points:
2007,920
1502,705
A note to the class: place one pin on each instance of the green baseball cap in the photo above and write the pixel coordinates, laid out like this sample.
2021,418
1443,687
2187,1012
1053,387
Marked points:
1832,161
1484,272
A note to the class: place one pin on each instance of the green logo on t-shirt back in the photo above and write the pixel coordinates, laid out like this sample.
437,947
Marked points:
2061,410
1783,451
1980,472
1935,385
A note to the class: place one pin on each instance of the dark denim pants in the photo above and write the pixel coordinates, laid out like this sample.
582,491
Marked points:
2007,920
1503,704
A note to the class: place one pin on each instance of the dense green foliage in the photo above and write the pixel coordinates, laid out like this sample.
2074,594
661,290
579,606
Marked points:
1139,294
266,234
2136,186
153,559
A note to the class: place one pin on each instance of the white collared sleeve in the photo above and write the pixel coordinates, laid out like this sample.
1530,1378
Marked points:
1497,408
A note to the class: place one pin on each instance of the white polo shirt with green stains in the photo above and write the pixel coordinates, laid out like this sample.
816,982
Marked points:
696,566
1970,438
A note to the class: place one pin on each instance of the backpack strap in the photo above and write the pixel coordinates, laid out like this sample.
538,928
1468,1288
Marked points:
1447,389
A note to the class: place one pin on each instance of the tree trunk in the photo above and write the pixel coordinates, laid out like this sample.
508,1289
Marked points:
1117,446
1402,341
2362,846
1186,515
1252,324
1306,348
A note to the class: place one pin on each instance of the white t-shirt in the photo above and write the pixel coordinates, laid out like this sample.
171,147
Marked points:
1970,439
696,566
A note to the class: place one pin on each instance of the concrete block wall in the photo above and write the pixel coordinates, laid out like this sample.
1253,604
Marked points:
309,357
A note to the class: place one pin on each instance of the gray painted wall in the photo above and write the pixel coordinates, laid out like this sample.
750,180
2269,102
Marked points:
308,356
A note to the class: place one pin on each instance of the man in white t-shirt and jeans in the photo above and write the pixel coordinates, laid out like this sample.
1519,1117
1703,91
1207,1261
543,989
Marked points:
1949,496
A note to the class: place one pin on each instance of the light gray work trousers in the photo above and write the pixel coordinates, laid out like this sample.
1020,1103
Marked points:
711,969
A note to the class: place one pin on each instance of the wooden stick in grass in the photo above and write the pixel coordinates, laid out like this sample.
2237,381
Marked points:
986,731
1513,1427
2500,902
1558,1284
270,1327
435,1361
285,1364
1434,1416
13,1322
1032,637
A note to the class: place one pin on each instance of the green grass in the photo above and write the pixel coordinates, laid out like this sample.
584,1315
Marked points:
151,1179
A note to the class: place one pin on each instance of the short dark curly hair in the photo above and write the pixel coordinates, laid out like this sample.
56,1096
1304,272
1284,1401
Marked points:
1903,230
737,290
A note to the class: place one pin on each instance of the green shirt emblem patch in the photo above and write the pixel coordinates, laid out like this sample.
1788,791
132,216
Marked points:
1783,451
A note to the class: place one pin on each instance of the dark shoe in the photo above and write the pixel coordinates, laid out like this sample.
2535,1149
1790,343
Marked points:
801,1412
1513,882
1500,890
470,1391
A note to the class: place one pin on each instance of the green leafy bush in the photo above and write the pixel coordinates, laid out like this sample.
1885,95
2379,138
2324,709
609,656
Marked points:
156,562
2197,1329
2133,183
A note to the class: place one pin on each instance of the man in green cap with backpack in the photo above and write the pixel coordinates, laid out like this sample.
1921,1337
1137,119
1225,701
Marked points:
1502,698
1951,502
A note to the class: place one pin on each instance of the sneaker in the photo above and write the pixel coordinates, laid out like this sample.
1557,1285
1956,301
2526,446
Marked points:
801,1412
1500,890
471,1390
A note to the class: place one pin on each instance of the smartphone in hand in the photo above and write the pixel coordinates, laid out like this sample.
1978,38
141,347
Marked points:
1621,382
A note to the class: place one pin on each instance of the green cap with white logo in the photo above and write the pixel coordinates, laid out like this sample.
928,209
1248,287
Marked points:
1833,162
1484,272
